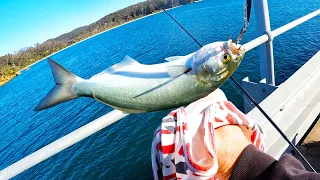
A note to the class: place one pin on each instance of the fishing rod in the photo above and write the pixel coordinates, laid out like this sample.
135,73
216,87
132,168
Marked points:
247,10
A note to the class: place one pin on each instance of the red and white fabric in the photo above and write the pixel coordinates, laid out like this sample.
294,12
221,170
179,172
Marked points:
183,146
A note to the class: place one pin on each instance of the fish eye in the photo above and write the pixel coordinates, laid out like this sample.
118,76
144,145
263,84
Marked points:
226,58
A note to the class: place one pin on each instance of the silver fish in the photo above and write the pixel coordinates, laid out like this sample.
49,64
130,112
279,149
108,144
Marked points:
136,88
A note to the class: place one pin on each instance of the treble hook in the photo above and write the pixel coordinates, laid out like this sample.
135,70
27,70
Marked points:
246,18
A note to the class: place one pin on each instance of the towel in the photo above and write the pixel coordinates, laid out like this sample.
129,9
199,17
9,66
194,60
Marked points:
183,146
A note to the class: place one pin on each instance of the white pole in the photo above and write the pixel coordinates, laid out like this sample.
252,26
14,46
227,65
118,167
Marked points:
255,43
265,50
264,38
61,144
295,23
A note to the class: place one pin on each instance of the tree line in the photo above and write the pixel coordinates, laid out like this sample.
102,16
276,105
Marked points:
11,64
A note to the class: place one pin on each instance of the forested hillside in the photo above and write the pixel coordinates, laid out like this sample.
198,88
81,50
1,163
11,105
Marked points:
11,64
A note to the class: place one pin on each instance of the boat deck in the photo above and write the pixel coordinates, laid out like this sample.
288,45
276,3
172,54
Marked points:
314,134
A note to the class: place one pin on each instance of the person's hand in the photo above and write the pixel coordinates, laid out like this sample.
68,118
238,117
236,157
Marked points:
230,142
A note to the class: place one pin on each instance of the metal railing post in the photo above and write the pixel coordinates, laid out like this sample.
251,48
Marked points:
265,50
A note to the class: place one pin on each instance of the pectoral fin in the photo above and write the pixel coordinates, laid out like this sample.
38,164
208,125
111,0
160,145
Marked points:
156,87
177,70
173,58
174,71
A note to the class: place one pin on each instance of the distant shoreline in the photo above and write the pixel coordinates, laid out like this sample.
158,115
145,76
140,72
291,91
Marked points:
87,39
29,66
133,20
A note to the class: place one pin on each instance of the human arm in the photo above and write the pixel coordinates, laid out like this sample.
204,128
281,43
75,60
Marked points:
239,162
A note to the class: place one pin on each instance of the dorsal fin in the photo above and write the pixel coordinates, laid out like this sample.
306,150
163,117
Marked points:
127,61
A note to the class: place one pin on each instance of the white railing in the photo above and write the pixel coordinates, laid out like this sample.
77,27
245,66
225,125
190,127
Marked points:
61,144
115,115
264,38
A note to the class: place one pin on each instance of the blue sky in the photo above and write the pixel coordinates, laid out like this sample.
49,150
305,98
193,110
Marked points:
23,23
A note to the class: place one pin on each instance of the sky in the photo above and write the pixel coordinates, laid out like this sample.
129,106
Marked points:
24,23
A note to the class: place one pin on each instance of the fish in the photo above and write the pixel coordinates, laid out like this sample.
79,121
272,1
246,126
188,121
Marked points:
133,87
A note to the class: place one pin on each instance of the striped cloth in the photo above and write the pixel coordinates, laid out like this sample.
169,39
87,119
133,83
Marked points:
174,155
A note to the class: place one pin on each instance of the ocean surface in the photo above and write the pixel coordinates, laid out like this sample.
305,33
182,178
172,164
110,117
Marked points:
122,150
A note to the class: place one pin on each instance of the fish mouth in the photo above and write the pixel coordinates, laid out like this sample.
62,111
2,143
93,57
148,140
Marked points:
241,51
221,71
221,75
234,49
211,78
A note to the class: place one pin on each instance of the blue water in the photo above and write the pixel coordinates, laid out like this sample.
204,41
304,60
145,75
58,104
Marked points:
122,151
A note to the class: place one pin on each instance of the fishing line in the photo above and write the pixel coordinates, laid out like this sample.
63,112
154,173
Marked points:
239,92
273,123
246,93
172,34
152,47
178,24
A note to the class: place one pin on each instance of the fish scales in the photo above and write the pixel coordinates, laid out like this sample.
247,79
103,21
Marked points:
136,88
175,93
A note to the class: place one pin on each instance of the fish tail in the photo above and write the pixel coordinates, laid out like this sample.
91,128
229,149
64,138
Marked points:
62,91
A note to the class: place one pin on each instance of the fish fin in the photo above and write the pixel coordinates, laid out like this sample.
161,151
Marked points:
173,58
127,61
174,71
177,70
62,91
129,111
146,92
156,87
126,110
